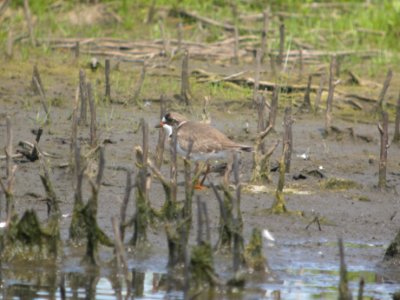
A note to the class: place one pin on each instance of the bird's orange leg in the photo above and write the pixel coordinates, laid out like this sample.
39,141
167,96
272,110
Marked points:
199,183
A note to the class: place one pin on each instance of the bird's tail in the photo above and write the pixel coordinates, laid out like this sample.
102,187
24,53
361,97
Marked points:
246,148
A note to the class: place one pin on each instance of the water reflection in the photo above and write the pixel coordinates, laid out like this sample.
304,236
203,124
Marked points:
47,282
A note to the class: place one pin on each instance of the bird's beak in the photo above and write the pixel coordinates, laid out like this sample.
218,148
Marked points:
160,125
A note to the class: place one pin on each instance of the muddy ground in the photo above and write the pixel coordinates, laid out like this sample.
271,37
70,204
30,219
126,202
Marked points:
365,217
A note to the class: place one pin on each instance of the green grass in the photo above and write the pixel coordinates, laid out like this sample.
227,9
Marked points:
330,29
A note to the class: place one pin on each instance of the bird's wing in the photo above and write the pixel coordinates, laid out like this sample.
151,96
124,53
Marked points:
205,138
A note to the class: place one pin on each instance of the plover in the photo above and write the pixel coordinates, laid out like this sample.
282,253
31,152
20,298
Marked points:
208,142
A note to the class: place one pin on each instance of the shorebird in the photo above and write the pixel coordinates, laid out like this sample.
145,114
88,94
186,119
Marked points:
208,142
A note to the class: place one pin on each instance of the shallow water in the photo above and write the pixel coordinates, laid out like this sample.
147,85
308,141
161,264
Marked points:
299,277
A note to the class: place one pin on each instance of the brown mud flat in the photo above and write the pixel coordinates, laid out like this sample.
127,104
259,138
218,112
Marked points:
365,217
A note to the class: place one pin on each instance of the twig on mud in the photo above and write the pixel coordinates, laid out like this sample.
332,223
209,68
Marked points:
315,220
29,150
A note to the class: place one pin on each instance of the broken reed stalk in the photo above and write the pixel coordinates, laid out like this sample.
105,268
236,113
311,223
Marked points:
257,76
235,33
139,85
361,285
42,99
28,18
161,136
385,87
254,255
83,93
36,74
124,206
38,88
338,65
383,131
288,138
200,222
329,100
8,149
396,136
173,173
93,233
260,170
107,95
77,227
301,64
264,36
274,106
121,257
180,37
307,100
281,43
201,261
189,188
92,107
319,93
74,131
151,12
10,44
344,291
235,58
224,243
77,50
279,205
161,25
261,111
141,219
3,6
53,209
10,172
185,87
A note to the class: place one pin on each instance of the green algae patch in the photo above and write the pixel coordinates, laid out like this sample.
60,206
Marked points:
339,184
28,241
